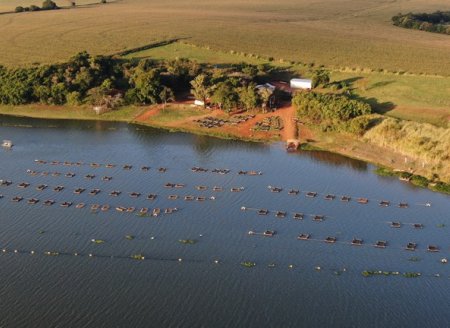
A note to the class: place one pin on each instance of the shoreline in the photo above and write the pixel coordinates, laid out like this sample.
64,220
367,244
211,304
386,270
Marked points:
322,144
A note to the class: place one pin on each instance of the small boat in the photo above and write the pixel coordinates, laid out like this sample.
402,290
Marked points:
70,175
362,200
242,172
381,244
94,192
130,209
104,208
56,174
293,192
90,176
433,248
127,167
263,211
411,246
135,194
172,197
269,233
106,178
189,197
55,163
58,188
403,205
121,209
201,187
298,216
5,182
156,212
23,185
216,188
95,165
239,189
280,214
396,225
169,185
291,147
311,194
145,168
31,172
95,207
304,236
7,144
143,211
151,196
79,191
357,242
110,166
17,199
330,240
345,198
41,187
384,203
66,204
115,193
275,189
318,218
33,201
162,170
200,199
179,185
417,225
329,197
49,202
80,205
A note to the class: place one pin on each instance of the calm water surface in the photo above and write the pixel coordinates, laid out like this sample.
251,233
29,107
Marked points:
111,290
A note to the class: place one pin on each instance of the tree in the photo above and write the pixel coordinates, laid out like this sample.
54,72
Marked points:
147,85
49,5
248,96
265,95
225,96
200,88
19,9
321,77
34,8
166,95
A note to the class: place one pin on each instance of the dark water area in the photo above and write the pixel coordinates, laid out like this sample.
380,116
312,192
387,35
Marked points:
295,283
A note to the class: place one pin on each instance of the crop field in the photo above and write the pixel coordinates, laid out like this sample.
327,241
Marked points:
10,5
335,33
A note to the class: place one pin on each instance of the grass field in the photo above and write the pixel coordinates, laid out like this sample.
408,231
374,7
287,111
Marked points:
336,33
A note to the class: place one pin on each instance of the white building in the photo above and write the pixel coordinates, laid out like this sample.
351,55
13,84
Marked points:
301,84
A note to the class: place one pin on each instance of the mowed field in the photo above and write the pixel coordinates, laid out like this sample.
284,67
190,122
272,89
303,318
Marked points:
336,33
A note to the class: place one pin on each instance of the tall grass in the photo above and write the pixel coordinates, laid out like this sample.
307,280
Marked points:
425,143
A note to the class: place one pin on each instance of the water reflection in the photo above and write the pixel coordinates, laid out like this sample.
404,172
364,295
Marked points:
335,159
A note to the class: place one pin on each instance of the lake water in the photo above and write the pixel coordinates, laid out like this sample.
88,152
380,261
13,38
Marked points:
295,283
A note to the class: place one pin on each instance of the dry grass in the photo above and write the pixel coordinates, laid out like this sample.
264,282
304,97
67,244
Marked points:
336,33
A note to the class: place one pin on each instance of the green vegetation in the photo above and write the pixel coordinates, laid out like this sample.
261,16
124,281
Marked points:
129,237
437,22
248,264
333,112
139,257
370,273
418,142
46,5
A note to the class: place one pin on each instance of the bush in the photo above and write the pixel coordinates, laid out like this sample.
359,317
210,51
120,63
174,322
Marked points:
19,9
420,181
359,125
34,8
73,98
49,5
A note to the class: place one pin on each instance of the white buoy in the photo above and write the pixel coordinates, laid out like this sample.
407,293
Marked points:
216,261
444,260
32,252
16,251
318,268
243,208
291,266
76,254
90,255
180,259
152,237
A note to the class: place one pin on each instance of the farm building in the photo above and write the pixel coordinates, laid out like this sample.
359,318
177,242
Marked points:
301,84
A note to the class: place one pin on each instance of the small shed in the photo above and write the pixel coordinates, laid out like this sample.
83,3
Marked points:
301,84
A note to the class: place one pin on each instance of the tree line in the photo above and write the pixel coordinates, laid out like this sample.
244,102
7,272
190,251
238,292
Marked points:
437,22
46,5
111,81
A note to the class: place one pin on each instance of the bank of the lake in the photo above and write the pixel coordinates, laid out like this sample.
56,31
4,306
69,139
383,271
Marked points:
339,143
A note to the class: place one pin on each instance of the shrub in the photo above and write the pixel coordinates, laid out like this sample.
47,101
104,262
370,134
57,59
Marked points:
19,9
34,8
49,5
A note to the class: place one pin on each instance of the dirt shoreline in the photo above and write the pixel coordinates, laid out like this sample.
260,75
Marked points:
342,144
